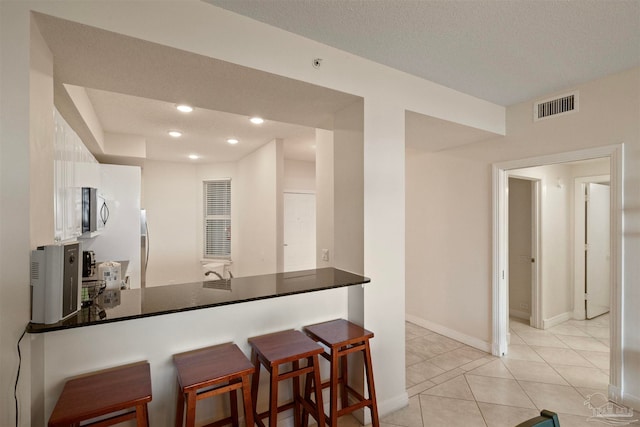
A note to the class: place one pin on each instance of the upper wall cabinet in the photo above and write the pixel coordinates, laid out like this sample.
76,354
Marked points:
74,168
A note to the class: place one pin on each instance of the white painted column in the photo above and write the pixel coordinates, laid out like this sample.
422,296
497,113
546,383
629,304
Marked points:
384,237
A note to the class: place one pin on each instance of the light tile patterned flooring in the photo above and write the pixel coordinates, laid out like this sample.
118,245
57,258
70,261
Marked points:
451,384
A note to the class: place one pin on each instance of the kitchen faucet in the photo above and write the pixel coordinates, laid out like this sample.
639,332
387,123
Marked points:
218,274
213,272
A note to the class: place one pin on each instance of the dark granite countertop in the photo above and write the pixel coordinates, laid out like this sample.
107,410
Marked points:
119,305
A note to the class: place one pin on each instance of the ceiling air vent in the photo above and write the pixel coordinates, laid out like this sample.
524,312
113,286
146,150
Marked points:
556,106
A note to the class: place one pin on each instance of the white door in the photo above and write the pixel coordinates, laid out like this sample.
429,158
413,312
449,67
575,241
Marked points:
299,231
597,281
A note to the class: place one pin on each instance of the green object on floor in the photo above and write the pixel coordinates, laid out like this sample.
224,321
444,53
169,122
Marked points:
546,419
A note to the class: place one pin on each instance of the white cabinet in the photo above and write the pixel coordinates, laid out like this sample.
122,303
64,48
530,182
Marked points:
74,168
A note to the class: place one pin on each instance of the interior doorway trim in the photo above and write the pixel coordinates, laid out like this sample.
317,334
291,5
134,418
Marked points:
500,250
535,319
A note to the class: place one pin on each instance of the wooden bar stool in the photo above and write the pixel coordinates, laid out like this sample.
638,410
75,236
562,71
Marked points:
103,393
211,371
342,338
275,349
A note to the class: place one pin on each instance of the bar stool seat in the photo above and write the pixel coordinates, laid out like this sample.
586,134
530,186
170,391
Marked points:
103,393
273,350
343,338
211,371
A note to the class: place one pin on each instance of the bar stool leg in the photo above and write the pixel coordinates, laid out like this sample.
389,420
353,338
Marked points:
345,380
255,382
273,397
247,402
296,394
314,381
372,390
307,393
191,409
180,407
142,415
317,381
233,398
333,388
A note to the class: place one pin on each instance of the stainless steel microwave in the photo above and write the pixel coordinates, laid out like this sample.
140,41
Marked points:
95,212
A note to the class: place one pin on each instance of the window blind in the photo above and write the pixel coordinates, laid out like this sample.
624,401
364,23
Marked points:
217,218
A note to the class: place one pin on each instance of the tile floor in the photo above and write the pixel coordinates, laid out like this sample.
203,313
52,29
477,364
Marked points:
451,384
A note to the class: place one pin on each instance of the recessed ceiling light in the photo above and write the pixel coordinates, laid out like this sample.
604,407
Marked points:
256,120
184,108
194,156
175,133
232,141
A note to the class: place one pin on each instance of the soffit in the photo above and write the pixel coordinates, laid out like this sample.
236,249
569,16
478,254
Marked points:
112,64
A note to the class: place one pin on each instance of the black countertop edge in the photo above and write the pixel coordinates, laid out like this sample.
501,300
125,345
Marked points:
37,328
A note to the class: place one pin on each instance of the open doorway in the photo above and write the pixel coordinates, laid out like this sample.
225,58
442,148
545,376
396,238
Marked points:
550,219
524,234
592,240
555,301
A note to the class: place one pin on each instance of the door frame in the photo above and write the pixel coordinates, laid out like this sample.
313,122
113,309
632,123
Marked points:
615,153
535,320
578,233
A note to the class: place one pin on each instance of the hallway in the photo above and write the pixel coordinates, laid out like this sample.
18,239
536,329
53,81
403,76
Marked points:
452,384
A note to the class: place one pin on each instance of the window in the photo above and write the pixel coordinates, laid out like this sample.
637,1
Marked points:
217,218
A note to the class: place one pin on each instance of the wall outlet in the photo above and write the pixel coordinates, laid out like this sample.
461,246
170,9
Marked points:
524,306
325,254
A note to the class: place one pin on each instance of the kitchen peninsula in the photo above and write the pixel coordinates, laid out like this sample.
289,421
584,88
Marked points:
154,323
154,301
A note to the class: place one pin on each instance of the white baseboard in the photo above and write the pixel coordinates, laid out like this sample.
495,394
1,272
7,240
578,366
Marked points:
625,399
450,333
556,320
631,401
519,314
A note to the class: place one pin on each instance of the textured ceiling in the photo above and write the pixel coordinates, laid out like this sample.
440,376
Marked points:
501,51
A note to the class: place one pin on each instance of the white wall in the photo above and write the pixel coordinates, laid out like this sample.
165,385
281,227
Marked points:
194,25
40,137
172,196
31,218
452,269
591,168
324,196
348,192
448,244
299,175
258,198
